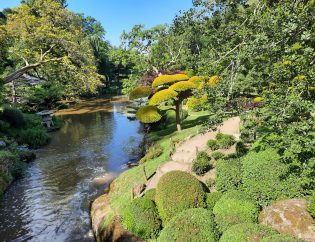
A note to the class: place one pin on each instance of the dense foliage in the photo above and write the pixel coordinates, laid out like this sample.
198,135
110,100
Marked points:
202,164
196,224
141,218
212,198
228,175
234,208
178,191
247,232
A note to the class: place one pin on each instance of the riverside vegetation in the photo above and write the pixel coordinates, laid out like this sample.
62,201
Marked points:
220,59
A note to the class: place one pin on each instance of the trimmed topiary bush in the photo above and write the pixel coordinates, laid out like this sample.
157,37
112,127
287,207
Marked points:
264,177
212,198
217,155
141,218
311,206
234,208
213,144
202,164
140,92
228,175
225,141
178,191
247,232
280,238
195,224
14,116
150,194
148,114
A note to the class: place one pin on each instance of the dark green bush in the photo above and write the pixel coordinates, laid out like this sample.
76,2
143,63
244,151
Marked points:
311,206
35,137
246,232
4,126
153,152
213,144
212,199
17,170
150,194
196,224
202,164
234,208
141,218
264,177
225,141
178,191
280,238
13,116
228,175
241,149
217,155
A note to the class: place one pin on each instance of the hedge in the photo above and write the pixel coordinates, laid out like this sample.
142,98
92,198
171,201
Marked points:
212,199
195,224
228,174
178,191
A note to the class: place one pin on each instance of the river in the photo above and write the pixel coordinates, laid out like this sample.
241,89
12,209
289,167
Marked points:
51,202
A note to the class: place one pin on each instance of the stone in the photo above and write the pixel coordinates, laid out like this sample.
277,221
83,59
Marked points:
290,217
138,189
2,144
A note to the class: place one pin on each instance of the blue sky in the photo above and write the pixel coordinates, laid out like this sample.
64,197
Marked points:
119,15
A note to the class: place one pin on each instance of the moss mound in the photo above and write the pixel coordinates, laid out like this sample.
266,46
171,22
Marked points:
246,232
178,191
141,218
150,194
196,224
233,208
280,238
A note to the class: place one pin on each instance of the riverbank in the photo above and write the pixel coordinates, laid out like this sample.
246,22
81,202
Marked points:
105,211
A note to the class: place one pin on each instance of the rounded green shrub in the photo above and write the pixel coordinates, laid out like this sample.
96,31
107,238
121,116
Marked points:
225,141
246,232
234,208
213,144
202,164
150,194
34,137
196,224
264,177
228,175
141,218
280,238
217,155
212,198
311,206
14,116
178,191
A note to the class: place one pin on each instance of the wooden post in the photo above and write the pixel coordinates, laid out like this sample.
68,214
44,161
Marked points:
145,174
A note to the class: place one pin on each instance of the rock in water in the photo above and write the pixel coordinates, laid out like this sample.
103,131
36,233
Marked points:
290,217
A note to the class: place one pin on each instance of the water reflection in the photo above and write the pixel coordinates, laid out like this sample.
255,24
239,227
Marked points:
51,202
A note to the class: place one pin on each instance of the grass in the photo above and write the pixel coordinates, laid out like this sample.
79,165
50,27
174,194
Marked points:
120,192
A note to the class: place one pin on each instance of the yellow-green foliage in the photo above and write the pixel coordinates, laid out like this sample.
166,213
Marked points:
148,114
169,79
198,79
258,99
213,81
140,92
183,86
162,96
196,103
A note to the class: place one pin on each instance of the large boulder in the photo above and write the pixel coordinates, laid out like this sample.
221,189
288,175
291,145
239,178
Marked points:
290,217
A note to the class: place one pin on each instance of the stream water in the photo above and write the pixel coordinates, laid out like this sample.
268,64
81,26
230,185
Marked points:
51,202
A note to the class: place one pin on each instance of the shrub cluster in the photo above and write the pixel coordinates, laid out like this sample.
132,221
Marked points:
212,198
178,191
264,177
13,116
217,155
280,238
202,164
150,194
34,137
153,152
247,232
196,224
234,208
213,144
225,141
141,218
228,174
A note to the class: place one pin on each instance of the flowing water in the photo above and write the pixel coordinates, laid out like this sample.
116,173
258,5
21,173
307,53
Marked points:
51,202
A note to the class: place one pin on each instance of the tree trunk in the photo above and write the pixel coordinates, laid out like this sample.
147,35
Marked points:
178,121
13,92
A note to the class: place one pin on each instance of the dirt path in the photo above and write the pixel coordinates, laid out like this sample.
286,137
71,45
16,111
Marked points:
186,152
